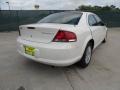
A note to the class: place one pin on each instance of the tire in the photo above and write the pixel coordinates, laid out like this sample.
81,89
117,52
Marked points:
84,62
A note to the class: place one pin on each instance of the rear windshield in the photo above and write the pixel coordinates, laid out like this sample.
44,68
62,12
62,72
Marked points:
62,18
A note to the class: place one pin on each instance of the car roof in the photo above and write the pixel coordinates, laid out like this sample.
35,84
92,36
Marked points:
77,12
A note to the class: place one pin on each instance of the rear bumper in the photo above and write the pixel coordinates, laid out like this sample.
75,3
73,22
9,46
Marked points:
55,54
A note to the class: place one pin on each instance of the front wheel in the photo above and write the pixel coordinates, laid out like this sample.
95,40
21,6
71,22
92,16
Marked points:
84,62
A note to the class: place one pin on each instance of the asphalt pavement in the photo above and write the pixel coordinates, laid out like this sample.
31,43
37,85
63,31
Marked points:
20,73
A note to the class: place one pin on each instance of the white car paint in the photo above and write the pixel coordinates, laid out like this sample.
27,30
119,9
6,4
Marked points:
59,53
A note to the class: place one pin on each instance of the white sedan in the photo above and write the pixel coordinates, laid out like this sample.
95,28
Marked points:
62,39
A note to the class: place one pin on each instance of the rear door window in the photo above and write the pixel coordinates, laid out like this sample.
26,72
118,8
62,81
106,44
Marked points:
91,20
97,18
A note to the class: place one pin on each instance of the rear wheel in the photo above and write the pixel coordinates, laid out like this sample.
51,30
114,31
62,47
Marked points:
84,62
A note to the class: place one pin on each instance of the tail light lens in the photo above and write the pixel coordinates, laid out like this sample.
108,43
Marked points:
65,36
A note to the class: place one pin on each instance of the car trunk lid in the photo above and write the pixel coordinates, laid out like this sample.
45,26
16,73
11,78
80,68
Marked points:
43,33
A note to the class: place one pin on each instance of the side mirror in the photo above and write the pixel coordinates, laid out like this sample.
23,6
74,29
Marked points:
101,23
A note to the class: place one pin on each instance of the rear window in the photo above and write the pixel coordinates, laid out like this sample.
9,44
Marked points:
62,18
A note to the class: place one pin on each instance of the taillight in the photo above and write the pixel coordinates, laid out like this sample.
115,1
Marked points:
65,36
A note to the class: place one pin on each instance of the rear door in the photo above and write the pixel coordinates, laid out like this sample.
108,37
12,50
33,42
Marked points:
95,30
101,26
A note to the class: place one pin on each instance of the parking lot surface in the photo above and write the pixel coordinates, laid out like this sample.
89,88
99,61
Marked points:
20,73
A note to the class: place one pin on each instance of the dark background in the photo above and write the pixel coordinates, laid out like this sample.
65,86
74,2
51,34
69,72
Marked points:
11,19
